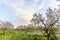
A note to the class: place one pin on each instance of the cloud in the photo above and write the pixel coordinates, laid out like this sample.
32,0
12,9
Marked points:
25,9
52,3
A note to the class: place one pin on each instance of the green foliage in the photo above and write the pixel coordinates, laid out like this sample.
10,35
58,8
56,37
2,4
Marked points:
22,35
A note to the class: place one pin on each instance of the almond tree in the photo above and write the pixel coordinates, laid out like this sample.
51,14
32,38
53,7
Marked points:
7,25
49,22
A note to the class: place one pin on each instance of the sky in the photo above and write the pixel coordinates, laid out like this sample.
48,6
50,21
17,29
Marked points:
20,12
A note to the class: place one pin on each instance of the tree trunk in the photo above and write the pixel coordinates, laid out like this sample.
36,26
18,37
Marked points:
48,36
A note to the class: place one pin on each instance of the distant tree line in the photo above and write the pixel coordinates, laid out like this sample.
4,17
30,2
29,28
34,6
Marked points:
6,25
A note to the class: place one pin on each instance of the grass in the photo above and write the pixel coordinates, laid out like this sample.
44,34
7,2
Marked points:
21,35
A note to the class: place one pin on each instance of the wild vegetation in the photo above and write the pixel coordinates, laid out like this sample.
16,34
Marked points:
42,27
23,35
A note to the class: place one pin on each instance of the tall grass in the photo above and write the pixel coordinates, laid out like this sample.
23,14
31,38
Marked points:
21,35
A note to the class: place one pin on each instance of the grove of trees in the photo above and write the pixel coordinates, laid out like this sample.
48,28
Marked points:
6,25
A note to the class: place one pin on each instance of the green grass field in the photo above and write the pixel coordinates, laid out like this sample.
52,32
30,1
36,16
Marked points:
21,35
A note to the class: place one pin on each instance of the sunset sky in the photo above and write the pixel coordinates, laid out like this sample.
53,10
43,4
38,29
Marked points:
20,11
